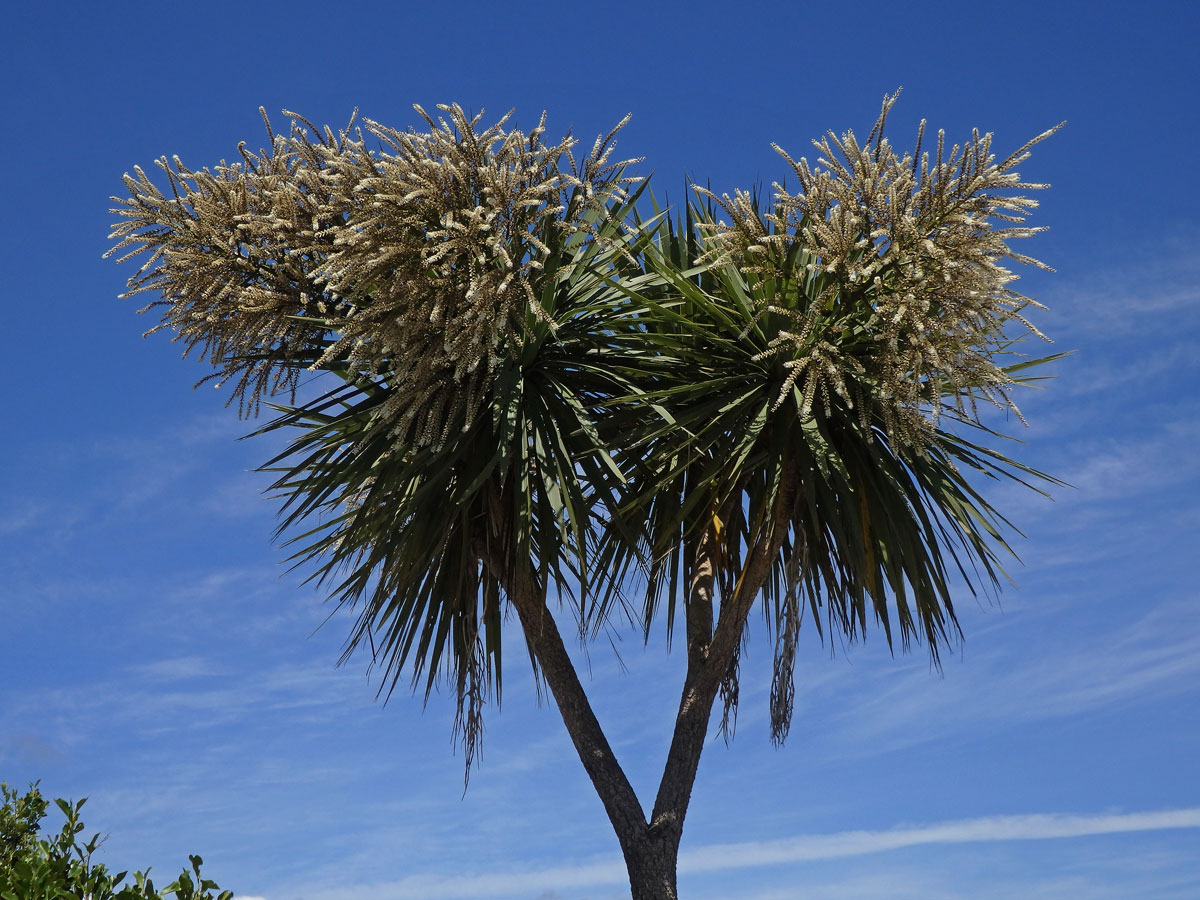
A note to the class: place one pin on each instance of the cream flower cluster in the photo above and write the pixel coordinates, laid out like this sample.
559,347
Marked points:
416,264
889,273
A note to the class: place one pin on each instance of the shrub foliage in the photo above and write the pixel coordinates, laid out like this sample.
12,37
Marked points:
61,867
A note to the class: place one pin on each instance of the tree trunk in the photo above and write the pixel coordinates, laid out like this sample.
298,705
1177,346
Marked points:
652,866
711,653
651,854
607,777
650,848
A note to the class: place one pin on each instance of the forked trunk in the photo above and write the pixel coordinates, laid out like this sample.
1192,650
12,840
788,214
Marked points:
650,846
650,851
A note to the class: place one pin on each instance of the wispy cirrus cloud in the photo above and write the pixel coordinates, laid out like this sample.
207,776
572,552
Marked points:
68,485
1155,656
713,858
1111,301
1033,827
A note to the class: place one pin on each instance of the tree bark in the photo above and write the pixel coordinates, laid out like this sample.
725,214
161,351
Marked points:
711,652
652,868
607,777
650,848
651,855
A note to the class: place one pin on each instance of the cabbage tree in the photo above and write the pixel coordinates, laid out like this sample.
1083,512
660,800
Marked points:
537,399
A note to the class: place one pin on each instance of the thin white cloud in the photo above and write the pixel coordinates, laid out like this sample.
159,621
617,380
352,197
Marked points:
1095,374
1154,657
1042,826
19,516
1116,469
1121,300
799,849
129,475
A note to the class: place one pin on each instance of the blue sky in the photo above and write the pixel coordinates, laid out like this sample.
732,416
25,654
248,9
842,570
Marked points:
156,657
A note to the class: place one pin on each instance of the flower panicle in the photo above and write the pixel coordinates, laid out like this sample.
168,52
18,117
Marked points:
907,249
415,265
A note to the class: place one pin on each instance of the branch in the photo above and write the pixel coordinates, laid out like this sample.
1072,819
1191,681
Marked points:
546,643
706,670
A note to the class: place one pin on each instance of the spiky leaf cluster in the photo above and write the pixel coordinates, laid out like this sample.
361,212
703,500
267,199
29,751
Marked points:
899,295
817,366
540,390
452,279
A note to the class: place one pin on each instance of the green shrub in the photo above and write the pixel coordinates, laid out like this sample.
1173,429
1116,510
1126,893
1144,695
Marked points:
61,868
